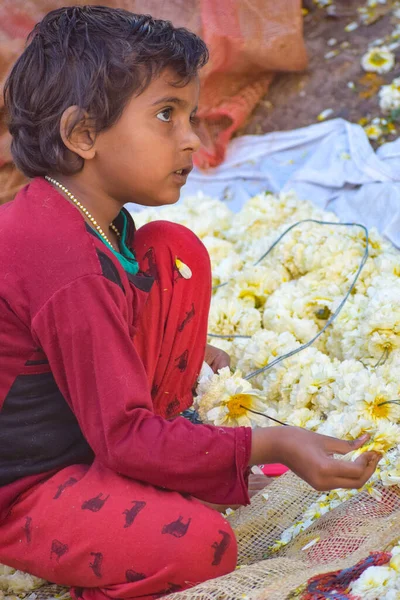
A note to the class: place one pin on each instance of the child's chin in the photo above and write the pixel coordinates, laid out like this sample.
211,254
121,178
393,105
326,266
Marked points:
171,198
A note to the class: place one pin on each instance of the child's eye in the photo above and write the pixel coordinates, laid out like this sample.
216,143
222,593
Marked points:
194,119
165,115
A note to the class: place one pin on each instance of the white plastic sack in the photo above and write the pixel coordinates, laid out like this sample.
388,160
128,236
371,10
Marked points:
332,164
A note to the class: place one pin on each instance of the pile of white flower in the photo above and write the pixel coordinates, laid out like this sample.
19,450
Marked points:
379,583
348,381
15,584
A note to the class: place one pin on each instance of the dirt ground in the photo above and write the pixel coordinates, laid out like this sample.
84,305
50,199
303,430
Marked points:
296,99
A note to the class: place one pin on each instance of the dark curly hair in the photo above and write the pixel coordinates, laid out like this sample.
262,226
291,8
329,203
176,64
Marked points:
93,57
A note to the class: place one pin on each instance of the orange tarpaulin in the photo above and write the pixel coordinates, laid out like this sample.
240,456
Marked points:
249,40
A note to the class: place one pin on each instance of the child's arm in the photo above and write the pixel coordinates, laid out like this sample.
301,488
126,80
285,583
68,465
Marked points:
86,333
310,456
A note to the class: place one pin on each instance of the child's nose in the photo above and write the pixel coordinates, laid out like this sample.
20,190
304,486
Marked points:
191,141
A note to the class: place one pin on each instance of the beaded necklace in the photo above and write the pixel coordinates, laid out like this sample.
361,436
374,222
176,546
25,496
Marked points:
126,257
85,211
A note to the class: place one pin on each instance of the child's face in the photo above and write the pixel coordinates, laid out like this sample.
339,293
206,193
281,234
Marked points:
136,160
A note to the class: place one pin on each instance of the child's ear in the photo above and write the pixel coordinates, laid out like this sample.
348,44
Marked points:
77,132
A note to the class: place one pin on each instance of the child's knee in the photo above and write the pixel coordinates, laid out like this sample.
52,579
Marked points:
210,552
163,235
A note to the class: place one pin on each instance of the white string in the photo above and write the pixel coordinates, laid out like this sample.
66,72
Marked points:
339,308
332,317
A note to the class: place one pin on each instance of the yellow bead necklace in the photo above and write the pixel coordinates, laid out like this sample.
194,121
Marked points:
84,210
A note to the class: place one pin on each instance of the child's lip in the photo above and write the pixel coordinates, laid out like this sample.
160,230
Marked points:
180,177
185,170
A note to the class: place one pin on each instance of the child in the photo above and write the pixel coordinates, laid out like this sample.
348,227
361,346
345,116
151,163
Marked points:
103,487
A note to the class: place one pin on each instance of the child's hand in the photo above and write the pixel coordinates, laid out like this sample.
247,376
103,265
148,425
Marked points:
310,456
216,358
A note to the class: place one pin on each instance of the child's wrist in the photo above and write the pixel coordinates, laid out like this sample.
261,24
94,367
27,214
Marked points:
270,445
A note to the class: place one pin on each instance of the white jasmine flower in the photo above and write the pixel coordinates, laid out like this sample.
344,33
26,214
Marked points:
226,400
343,425
389,96
224,260
373,132
314,388
226,269
205,215
328,111
256,283
263,347
351,26
231,316
373,583
390,477
378,60
374,401
303,417
395,563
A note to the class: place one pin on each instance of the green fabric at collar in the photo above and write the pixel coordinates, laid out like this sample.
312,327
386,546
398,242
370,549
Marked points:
126,257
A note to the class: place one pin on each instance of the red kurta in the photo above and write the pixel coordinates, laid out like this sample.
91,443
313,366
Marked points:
98,363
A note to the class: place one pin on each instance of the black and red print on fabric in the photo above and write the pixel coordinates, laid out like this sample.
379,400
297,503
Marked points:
28,529
132,513
220,547
182,361
152,270
71,481
95,504
172,408
132,576
96,563
189,316
177,528
58,549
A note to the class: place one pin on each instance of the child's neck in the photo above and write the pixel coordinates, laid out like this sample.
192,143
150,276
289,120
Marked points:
103,208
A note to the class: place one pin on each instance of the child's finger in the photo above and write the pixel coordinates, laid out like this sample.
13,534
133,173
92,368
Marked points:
335,446
359,471
349,475
358,483
368,459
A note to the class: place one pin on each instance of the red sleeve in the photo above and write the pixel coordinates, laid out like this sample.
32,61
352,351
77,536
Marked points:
83,330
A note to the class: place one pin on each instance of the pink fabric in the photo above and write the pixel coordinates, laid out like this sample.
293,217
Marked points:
274,469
